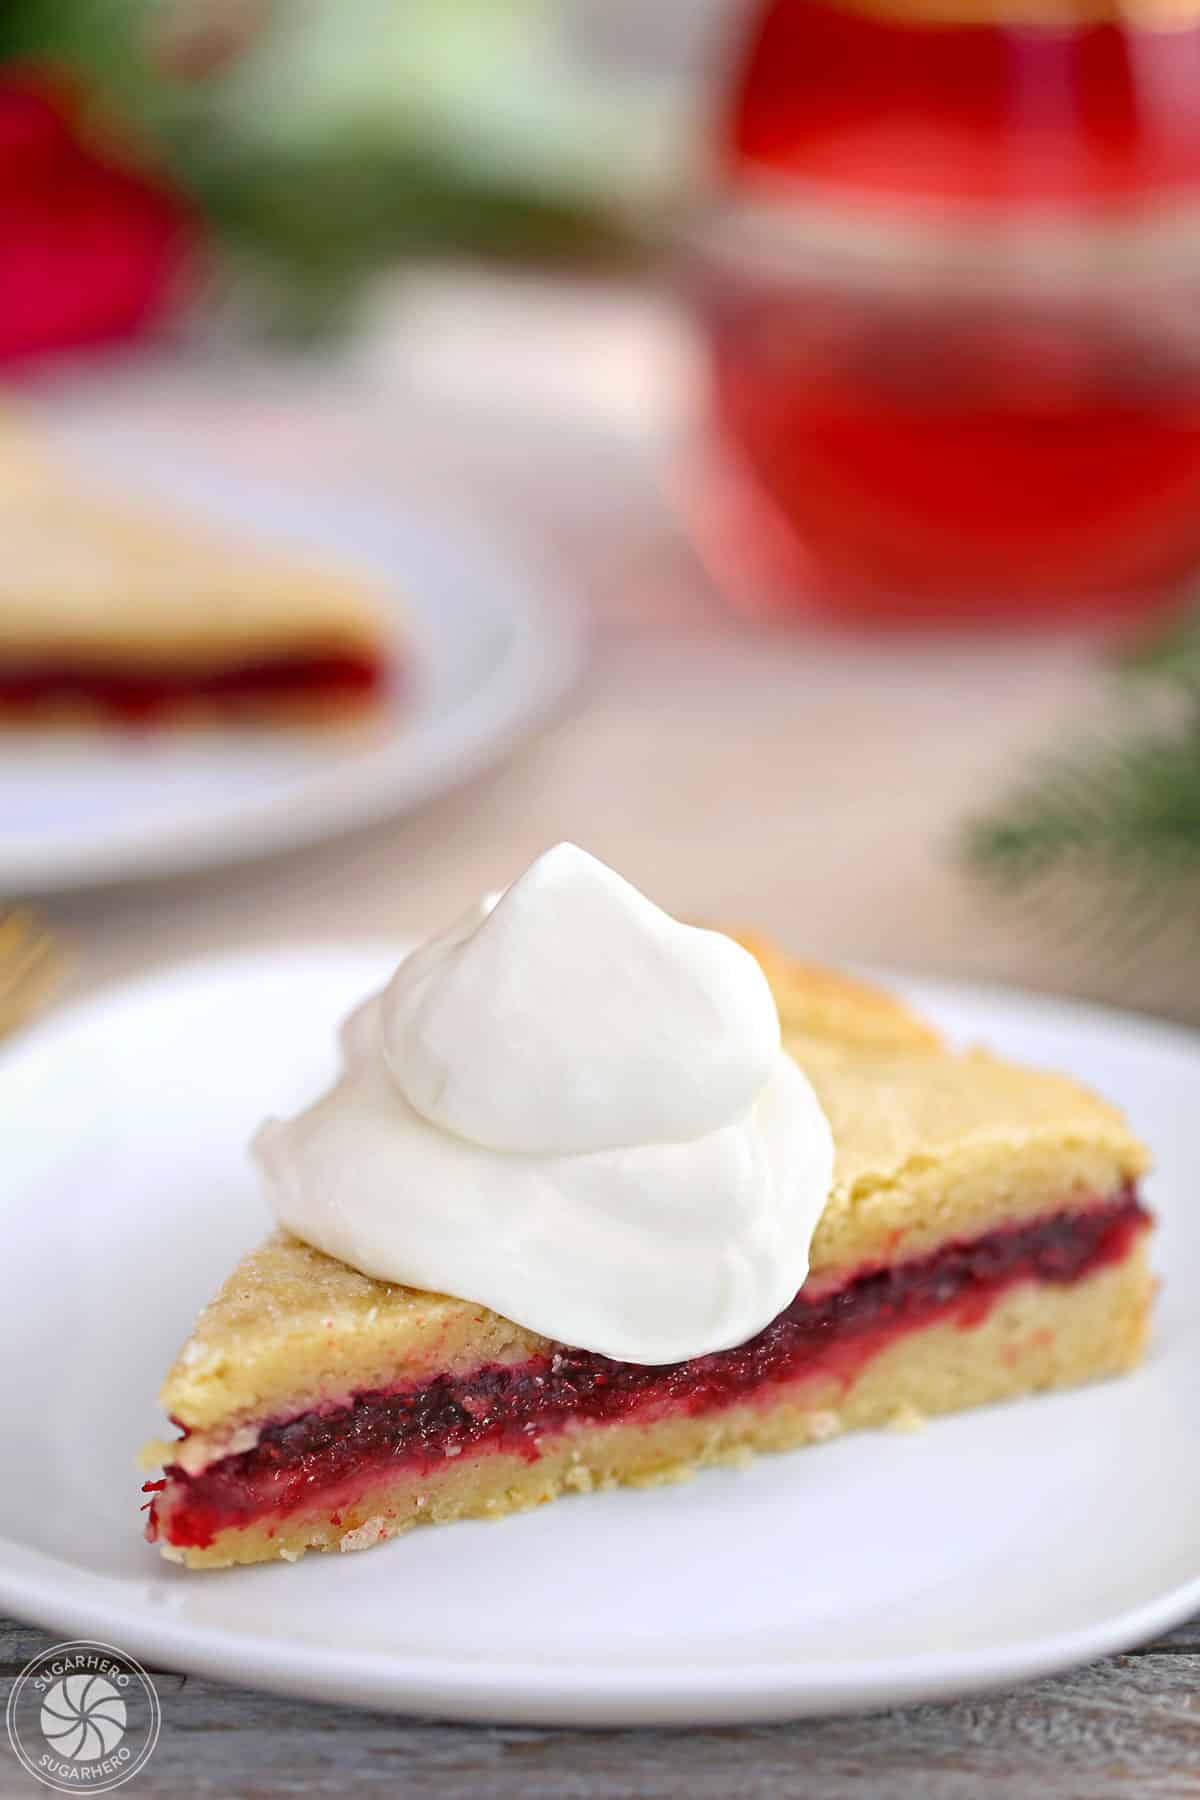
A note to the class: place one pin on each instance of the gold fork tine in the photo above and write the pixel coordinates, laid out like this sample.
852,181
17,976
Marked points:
31,966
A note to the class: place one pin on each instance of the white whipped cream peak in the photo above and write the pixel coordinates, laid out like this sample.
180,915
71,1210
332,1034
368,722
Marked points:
575,1110
674,1028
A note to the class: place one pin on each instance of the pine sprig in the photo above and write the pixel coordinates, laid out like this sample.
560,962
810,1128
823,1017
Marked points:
1107,808
1121,814
315,224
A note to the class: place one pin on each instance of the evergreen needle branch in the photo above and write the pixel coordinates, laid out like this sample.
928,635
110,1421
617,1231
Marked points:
1128,812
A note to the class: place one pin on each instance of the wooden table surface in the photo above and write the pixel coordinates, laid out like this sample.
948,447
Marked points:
1125,1729
808,783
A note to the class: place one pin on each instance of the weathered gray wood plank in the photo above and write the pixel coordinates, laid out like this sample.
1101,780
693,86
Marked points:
1184,1637
1126,1729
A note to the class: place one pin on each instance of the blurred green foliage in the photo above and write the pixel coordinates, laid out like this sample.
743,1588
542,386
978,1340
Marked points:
346,133
1122,812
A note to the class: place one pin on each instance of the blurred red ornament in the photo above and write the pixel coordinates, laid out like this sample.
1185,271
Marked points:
90,247
951,289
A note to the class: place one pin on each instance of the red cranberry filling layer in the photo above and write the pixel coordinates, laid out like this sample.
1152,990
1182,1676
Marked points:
135,694
510,1406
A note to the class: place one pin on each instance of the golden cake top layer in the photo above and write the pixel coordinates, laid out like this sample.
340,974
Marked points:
932,1146
820,1003
90,582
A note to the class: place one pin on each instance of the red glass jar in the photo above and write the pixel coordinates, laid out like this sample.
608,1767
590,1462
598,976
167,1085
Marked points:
950,285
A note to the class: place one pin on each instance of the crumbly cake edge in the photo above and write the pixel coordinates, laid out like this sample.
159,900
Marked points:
1036,1337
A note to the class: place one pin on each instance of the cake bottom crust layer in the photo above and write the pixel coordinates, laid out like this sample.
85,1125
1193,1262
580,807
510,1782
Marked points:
1035,1336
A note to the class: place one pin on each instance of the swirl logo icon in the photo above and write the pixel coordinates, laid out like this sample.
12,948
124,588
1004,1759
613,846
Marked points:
83,1715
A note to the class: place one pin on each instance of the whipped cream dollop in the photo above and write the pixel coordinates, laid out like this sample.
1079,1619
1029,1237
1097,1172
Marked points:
575,1110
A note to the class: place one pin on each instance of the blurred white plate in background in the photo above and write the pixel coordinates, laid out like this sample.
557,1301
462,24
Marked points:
990,1547
489,642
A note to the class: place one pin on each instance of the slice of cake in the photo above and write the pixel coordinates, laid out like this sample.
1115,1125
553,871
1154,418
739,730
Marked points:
109,613
982,1239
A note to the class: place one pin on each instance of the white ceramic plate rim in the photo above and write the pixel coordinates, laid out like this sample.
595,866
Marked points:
45,1592
543,1694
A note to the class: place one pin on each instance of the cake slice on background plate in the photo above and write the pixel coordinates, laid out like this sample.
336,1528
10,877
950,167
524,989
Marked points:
981,1237
110,612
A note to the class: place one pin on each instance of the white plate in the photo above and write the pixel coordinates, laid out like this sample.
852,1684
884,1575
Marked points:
880,1569
489,643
